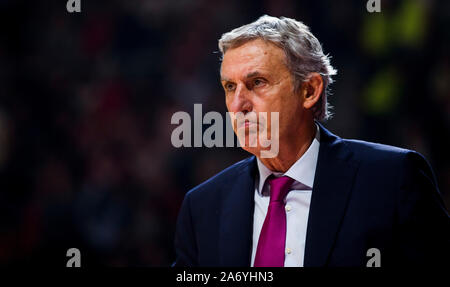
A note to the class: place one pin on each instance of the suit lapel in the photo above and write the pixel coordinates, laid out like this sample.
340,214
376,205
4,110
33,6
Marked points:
236,218
335,173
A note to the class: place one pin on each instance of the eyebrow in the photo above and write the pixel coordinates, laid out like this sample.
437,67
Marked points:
248,76
253,74
224,79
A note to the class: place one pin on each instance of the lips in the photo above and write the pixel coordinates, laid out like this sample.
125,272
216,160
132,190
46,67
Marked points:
246,124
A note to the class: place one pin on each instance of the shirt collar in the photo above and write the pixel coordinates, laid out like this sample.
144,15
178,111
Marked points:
302,171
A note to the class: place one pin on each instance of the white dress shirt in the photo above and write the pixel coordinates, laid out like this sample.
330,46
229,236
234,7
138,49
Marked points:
297,203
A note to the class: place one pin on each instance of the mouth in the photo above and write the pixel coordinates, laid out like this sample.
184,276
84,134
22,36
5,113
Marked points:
248,125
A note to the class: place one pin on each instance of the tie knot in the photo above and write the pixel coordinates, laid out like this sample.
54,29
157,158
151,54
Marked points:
279,187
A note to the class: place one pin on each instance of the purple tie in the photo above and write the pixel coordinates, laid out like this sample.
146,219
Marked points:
272,239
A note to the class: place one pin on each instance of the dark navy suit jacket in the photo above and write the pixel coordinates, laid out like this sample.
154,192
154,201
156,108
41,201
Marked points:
365,195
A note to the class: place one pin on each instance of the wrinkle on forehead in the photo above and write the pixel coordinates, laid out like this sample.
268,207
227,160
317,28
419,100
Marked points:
255,55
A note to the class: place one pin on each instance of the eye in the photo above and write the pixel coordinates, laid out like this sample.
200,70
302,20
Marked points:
229,86
258,82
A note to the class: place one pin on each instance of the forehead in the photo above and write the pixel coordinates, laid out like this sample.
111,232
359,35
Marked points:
255,55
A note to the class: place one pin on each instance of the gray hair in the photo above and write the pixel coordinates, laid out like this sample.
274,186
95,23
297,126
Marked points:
303,52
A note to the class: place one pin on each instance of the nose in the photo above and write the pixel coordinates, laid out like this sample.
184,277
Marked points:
241,101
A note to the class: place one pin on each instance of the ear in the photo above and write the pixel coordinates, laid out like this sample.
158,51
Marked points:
312,89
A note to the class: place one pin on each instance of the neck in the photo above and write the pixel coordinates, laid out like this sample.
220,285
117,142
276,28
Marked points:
292,148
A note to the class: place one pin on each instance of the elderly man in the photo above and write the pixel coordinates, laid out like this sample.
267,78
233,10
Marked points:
320,200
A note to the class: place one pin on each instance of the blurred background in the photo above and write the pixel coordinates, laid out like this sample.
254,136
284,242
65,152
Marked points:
86,101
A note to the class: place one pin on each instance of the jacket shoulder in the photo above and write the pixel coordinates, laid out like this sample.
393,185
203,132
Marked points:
222,178
390,158
376,152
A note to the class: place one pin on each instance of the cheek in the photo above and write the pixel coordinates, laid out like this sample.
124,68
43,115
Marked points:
227,102
289,110
267,102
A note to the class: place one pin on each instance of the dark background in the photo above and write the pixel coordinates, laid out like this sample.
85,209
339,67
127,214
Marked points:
86,100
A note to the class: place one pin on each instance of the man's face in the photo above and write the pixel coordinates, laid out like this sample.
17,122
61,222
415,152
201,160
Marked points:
256,79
